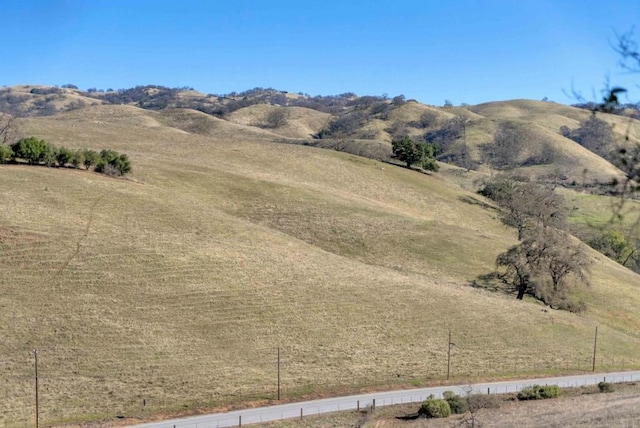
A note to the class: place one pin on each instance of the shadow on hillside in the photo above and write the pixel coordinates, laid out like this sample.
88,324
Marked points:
371,149
399,164
490,281
408,417
475,201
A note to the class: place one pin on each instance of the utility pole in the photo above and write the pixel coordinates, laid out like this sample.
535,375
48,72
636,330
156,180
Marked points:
35,354
278,373
449,346
595,344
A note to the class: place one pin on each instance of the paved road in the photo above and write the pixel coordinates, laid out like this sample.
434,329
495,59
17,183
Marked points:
327,405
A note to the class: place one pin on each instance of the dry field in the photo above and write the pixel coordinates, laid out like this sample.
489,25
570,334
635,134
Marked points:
176,286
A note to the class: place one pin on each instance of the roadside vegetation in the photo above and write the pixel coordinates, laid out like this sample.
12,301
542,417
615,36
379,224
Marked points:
582,407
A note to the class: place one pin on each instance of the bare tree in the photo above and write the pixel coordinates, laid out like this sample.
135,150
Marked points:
444,137
399,100
593,134
519,264
544,265
545,262
8,129
508,145
276,118
526,205
347,124
563,260
476,403
428,119
397,130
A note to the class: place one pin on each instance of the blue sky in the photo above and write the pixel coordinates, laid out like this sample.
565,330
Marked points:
463,51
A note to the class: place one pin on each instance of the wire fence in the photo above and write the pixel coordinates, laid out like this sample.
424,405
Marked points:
73,391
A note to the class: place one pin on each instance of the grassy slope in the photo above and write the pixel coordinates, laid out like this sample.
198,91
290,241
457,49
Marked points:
545,119
61,100
300,122
178,285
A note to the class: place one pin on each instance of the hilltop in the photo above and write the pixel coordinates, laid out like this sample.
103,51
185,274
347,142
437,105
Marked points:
238,233
363,125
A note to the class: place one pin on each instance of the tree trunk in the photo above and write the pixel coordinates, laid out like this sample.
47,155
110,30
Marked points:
522,287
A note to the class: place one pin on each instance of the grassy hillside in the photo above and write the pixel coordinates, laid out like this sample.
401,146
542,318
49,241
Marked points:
36,100
543,120
299,122
177,285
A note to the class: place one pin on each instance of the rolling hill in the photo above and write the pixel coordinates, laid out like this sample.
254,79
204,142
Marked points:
175,286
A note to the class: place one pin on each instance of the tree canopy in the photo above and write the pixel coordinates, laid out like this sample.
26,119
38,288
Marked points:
31,149
593,134
546,262
411,152
36,152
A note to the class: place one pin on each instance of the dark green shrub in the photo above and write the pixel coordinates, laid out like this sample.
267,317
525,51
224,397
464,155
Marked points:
412,152
120,163
77,158
100,166
37,152
457,404
529,393
63,156
32,150
108,155
435,408
123,164
605,387
91,158
537,392
5,153
550,391
49,155
430,165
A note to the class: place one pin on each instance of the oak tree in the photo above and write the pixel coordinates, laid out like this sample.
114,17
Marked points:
411,152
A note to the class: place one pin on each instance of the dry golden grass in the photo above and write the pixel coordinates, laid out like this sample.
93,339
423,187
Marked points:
527,109
196,122
412,111
60,100
177,285
300,122
544,119
551,116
